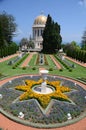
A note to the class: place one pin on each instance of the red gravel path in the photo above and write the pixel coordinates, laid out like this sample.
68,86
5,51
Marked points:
82,64
56,63
10,125
25,63
8,57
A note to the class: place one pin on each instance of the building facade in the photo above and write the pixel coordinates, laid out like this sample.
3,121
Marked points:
37,30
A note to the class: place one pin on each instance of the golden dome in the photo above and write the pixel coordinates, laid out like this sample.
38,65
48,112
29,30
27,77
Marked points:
41,19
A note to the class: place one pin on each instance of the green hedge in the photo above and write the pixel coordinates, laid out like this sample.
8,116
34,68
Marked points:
5,51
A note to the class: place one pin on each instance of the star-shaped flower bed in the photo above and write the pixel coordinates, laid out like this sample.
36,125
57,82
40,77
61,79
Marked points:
43,99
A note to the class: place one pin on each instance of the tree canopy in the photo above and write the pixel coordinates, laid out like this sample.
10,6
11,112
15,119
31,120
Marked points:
83,44
7,29
51,36
29,43
73,50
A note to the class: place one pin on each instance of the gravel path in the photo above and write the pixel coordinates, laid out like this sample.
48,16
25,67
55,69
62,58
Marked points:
25,63
82,64
56,63
8,57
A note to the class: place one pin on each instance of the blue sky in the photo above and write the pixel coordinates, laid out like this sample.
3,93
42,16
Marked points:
70,14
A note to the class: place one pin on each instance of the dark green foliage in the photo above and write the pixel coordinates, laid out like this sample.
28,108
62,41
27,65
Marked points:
7,29
24,68
82,79
50,69
61,70
8,50
34,68
75,52
1,129
70,70
83,44
62,62
51,36
23,42
20,61
29,43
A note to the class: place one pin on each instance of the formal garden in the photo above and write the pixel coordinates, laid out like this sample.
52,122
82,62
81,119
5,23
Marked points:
68,68
46,88
66,104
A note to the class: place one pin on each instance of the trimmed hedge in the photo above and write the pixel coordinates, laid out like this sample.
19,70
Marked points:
20,61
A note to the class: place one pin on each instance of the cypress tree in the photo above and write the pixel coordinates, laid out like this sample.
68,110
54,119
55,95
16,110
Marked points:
51,36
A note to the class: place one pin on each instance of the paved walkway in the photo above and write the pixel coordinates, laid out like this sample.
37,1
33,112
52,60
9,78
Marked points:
82,64
8,124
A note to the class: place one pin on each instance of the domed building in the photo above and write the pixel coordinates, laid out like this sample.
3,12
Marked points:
37,30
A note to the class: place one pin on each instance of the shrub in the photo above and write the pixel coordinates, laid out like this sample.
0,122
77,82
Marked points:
70,70
14,67
21,60
24,68
0,74
34,68
61,70
50,69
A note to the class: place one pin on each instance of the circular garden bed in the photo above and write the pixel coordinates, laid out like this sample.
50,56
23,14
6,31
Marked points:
66,105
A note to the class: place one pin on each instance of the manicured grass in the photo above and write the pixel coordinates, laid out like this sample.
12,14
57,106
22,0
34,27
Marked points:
50,62
7,70
33,60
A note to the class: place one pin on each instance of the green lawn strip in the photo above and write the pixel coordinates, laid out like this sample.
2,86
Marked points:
77,72
19,62
63,67
33,60
50,62
62,62
24,58
7,70
78,69
11,59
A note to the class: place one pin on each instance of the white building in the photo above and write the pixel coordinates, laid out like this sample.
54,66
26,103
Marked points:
37,30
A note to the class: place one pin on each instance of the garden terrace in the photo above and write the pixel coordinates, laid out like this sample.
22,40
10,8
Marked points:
62,62
32,68
54,115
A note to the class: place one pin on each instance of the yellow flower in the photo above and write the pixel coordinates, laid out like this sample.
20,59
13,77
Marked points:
43,99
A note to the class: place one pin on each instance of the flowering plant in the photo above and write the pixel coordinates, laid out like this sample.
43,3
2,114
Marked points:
43,99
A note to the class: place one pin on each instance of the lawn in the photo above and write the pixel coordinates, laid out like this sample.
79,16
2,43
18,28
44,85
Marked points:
36,108
7,70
